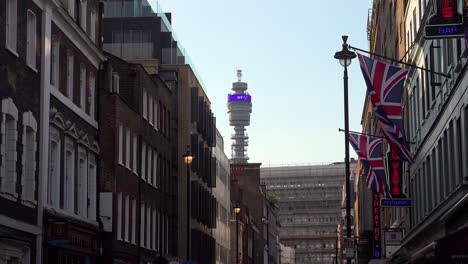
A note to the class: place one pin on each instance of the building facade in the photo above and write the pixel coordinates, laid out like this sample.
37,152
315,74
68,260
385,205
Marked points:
246,193
309,199
138,32
437,125
21,72
70,146
433,229
138,186
221,193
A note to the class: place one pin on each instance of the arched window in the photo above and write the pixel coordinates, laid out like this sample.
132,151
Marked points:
9,135
29,164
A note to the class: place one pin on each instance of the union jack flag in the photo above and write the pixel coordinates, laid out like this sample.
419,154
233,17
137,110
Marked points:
385,86
369,150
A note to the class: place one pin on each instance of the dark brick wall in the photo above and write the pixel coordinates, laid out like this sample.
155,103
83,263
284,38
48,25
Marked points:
22,84
126,108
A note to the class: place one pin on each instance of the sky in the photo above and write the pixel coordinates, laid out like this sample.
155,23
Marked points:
285,50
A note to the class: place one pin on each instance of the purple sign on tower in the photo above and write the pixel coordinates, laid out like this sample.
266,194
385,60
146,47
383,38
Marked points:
239,97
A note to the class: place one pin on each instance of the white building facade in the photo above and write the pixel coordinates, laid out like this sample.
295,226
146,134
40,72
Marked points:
437,125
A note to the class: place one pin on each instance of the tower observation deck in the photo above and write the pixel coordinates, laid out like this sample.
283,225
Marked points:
239,109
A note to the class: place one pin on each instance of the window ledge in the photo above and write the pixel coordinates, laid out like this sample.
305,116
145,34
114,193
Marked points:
12,51
32,68
9,196
29,203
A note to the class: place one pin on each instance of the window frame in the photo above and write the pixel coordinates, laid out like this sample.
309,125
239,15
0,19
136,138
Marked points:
31,39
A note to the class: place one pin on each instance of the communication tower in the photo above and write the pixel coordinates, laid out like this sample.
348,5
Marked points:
239,109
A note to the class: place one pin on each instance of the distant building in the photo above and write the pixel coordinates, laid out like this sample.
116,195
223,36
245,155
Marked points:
287,255
309,199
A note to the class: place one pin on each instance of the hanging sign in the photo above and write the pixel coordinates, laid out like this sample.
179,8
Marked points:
394,174
447,21
395,202
376,239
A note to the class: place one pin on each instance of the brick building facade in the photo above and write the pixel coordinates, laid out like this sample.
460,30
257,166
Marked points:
20,75
139,178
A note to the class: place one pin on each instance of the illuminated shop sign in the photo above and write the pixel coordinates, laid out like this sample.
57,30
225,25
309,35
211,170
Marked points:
239,97
394,174
395,202
237,169
376,239
446,22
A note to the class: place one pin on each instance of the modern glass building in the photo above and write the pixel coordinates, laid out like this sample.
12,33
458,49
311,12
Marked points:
309,199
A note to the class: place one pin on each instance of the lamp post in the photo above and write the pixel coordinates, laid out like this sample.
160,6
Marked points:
237,210
188,158
345,56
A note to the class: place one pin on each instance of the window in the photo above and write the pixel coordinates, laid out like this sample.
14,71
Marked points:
14,253
71,8
54,60
134,221
449,50
120,145
115,82
119,216
145,109
127,217
155,168
28,180
9,117
31,40
148,226
54,175
92,95
149,159
70,75
92,186
127,148
82,196
134,154
158,230
153,230
155,115
92,26
143,160
142,224
150,109
167,234
69,186
83,87
83,14
11,24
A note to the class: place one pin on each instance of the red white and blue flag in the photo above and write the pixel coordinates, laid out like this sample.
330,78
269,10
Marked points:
385,86
369,150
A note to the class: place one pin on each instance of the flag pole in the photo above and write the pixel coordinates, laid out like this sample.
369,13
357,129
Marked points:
404,63
364,134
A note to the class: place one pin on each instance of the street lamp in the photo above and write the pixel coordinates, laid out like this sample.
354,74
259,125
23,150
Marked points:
237,210
345,56
188,158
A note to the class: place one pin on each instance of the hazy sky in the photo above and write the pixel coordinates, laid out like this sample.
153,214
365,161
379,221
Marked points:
285,50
